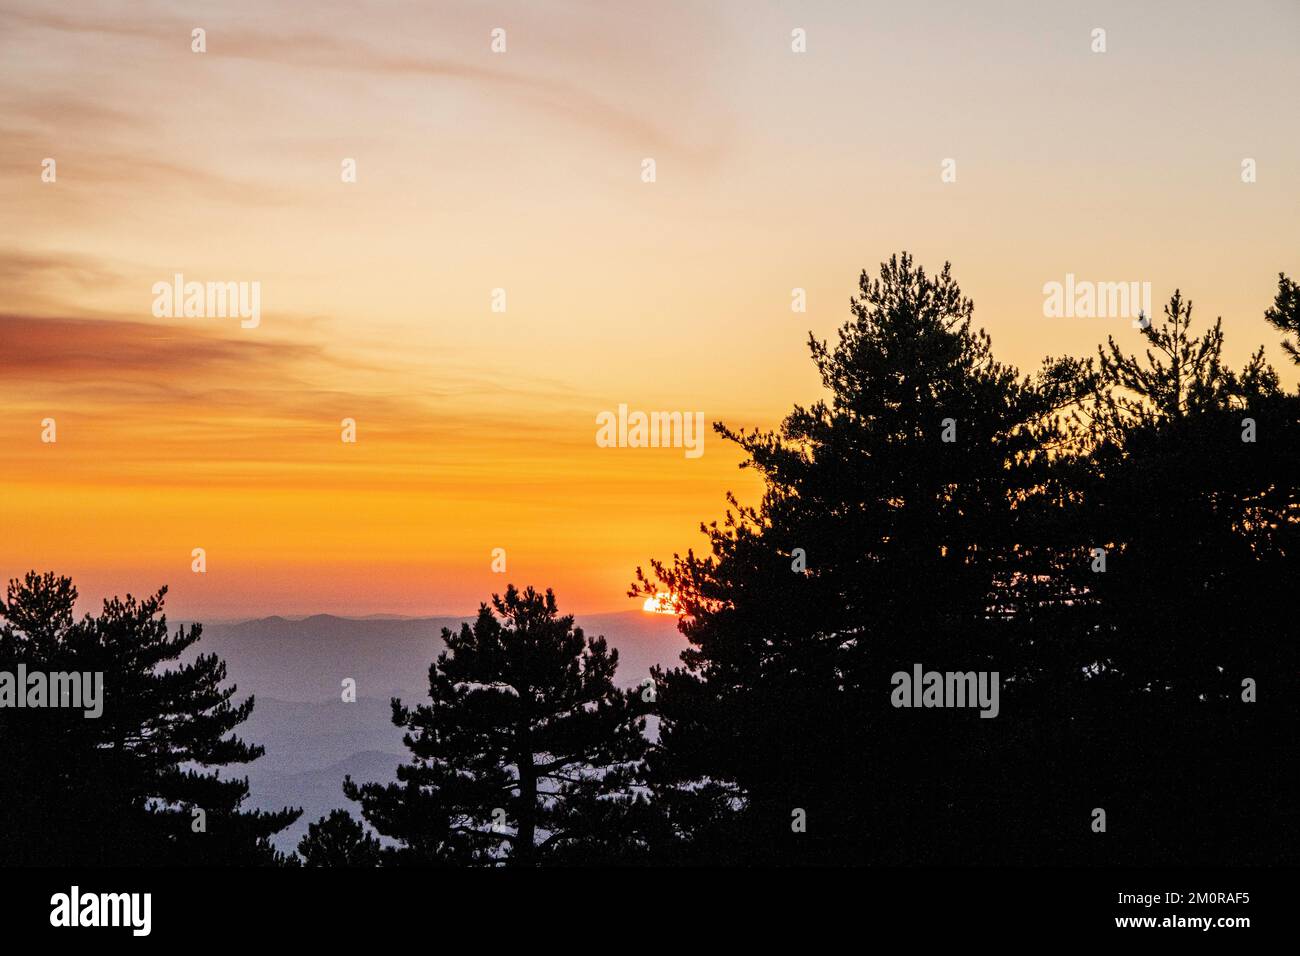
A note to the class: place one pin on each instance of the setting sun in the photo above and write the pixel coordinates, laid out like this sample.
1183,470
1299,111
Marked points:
661,603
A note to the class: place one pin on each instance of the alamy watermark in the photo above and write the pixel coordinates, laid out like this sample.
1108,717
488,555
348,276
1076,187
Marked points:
651,430
1084,299
208,300
78,690
946,689
74,908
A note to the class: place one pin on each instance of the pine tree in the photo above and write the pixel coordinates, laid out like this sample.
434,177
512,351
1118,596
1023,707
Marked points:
1189,481
878,543
524,744
1284,314
902,493
338,841
141,783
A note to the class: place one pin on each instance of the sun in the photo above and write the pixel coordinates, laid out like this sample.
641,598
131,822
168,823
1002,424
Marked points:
662,603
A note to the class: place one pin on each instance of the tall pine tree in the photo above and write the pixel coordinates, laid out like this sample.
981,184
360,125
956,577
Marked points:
1284,314
1188,479
525,750
141,784
889,533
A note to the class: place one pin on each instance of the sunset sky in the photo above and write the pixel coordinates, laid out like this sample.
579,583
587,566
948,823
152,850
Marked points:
522,170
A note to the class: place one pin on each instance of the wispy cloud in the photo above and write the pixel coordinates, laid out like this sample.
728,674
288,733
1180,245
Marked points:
549,93
94,350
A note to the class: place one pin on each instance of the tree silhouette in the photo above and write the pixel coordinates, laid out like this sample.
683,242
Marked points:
937,509
1115,537
339,841
1191,483
901,489
1284,313
524,743
141,783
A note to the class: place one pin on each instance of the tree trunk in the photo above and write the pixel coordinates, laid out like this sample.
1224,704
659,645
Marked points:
524,849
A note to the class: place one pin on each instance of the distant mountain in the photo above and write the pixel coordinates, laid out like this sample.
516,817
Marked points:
295,668
300,737
307,659
642,641
317,791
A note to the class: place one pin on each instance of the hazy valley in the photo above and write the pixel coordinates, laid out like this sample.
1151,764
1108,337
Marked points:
295,669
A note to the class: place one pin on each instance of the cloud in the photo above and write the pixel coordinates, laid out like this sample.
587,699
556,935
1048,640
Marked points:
200,385
17,267
152,27
561,99
98,350
43,345
60,112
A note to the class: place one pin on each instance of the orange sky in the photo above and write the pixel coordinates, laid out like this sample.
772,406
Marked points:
521,170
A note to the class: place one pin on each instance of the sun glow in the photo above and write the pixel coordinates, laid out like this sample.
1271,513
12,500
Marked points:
661,603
